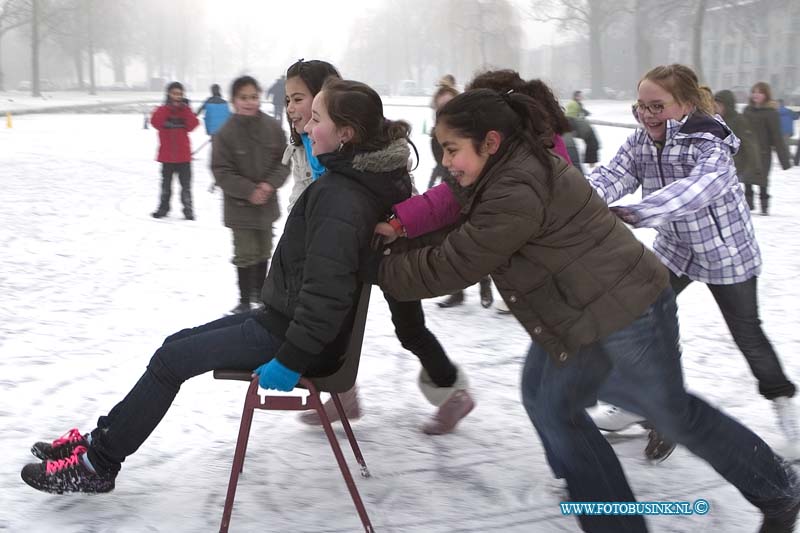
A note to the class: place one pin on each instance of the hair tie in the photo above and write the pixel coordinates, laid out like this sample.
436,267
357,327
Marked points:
506,96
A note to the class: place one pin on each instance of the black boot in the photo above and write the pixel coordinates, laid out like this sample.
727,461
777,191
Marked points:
748,195
259,275
765,204
457,298
245,286
486,292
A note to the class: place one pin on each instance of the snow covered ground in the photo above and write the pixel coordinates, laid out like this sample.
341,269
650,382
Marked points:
91,284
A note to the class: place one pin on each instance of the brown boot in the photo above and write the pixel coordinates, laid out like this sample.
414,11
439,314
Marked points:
450,414
350,404
457,298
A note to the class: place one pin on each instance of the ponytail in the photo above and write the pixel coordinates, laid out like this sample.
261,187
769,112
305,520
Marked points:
536,130
514,115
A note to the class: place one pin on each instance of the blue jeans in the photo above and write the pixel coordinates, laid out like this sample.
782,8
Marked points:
236,342
647,356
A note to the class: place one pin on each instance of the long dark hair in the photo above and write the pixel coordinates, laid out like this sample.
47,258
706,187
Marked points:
514,115
510,80
357,105
313,72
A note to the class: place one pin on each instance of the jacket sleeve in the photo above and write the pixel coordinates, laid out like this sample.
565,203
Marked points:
159,117
427,212
712,176
334,241
191,119
560,148
503,220
276,170
226,173
619,177
776,140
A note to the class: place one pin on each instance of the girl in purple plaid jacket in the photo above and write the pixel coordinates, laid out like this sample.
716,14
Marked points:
682,158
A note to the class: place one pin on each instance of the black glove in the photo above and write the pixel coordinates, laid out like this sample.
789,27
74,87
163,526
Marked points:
174,123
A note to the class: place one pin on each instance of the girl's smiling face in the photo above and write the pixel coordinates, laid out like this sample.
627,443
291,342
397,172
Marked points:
325,136
655,106
298,103
462,160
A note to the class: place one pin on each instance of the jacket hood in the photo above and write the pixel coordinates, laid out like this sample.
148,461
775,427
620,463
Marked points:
702,126
727,99
384,172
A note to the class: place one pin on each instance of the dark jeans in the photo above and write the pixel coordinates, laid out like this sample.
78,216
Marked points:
414,336
647,356
236,342
184,171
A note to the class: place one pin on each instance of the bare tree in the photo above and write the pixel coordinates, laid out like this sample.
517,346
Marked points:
422,40
592,17
13,13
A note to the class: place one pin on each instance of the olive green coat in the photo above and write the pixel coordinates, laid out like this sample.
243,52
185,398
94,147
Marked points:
247,150
570,271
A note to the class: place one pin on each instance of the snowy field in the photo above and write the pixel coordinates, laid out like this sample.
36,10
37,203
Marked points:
91,284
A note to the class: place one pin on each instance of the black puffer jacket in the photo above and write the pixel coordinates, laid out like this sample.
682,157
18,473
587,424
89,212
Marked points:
311,289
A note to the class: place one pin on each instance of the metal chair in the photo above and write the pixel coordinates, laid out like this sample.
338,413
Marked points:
342,380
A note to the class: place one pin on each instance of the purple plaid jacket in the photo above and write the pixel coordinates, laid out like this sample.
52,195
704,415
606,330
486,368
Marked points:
691,196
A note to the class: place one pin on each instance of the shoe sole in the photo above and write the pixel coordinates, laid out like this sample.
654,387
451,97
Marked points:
50,490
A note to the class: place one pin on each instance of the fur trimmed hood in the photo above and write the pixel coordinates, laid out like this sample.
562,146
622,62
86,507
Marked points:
384,172
390,158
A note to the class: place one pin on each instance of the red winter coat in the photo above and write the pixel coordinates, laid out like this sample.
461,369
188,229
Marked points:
174,122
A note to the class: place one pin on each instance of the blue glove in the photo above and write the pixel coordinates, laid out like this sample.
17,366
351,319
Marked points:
273,375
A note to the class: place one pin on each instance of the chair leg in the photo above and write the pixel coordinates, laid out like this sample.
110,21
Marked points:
238,457
247,420
350,437
337,452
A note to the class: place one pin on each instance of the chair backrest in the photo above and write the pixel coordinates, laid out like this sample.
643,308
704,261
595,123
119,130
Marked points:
343,379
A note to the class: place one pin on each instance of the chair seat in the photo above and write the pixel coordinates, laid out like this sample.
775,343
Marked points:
238,375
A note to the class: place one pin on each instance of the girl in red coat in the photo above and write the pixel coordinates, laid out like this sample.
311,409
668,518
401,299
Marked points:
174,120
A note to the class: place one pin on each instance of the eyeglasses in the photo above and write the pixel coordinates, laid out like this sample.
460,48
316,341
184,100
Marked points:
654,109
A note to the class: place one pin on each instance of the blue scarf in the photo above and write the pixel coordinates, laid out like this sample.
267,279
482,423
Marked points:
317,169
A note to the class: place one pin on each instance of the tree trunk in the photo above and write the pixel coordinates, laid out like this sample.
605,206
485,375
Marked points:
77,57
697,38
596,54
2,81
90,44
35,49
118,65
644,48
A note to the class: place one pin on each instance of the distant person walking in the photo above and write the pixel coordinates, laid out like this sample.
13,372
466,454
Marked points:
216,111
575,106
278,94
762,112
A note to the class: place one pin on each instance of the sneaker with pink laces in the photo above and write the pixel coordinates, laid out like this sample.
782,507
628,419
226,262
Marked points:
450,413
350,403
66,475
61,448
